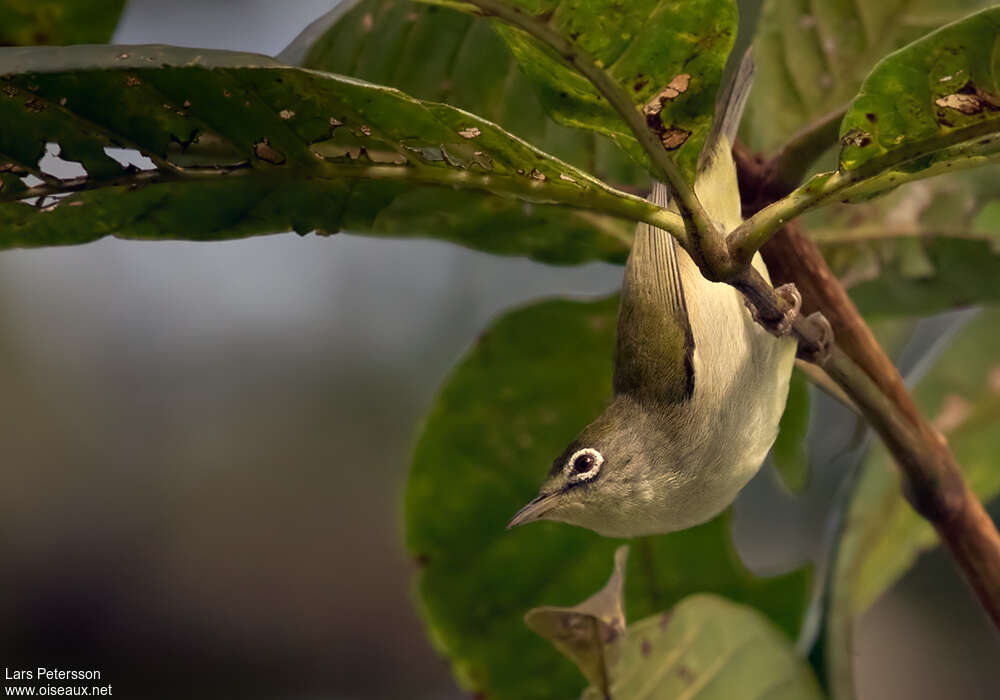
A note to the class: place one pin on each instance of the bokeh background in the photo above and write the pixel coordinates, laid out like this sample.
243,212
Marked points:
203,448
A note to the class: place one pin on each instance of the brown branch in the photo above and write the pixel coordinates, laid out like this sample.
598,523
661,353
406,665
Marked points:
932,480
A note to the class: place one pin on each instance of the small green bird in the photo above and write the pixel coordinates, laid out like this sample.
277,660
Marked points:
699,386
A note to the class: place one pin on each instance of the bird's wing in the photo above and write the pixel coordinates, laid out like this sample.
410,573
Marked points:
653,359
654,356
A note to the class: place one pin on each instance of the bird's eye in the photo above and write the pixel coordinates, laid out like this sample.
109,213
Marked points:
584,465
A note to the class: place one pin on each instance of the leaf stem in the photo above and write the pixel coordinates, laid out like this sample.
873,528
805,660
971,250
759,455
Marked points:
705,242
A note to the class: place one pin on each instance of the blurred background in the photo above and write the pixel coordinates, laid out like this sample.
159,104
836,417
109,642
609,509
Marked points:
203,449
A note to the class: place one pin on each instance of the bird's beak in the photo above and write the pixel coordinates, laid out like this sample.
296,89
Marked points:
535,509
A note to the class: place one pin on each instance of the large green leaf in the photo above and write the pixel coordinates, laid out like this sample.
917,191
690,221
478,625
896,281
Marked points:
962,394
812,55
436,53
667,54
58,22
708,648
936,92
529,385
929,247
237,144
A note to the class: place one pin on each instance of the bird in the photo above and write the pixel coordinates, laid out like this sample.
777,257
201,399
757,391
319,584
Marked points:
699,385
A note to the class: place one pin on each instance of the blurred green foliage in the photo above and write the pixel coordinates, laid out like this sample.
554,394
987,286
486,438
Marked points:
58,22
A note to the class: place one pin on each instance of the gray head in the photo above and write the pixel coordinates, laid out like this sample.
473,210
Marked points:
620,477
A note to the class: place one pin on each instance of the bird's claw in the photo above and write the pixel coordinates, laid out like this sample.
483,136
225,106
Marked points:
789,293
779,326
816,353
821,353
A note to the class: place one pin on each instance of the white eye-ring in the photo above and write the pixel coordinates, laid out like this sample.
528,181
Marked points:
583,465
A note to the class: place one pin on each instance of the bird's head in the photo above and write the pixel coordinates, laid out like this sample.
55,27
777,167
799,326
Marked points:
609,479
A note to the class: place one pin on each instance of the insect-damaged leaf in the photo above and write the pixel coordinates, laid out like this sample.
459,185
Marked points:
587,632
812,56
668,55
198,144
435,53
930,108
705,647
937,92
533,380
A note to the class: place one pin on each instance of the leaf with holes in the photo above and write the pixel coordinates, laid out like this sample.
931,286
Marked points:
185,143
929,247
58,22
707,648
933,94
930,108
813,56
532,381
668,55
586,633
961,393
435,53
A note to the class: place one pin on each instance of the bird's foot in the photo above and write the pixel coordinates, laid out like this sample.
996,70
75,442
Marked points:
781,325
818,353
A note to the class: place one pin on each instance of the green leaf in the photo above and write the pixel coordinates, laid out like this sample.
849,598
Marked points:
708,648
435,53
237,144
667,54
932,94
789,451
930,247
931,107
813,55
58,22
962,395
532,381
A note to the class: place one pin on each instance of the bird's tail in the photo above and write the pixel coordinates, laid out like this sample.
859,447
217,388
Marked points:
716,184
729,106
